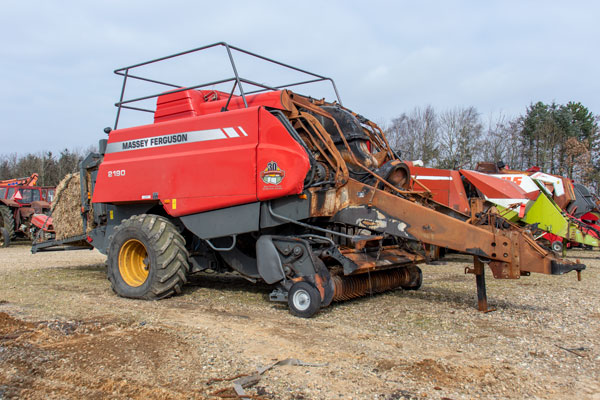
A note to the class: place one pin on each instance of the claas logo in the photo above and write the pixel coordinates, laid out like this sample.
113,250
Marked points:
515,179
272,174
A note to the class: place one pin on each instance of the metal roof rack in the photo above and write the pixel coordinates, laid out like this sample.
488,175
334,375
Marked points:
238,81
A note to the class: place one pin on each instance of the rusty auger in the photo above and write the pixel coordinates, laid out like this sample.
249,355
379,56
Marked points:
350,287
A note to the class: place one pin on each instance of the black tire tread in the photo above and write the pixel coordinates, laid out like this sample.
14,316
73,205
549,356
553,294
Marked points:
4,238
8,221
315,297
172,257
557,246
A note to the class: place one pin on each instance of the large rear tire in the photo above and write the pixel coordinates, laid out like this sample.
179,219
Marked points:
7,221
147,258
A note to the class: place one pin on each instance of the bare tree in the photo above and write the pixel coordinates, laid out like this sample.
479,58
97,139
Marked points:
460,137
51,169
501,141
415,135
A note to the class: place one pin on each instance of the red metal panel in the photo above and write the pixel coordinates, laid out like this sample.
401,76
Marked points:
282,162
217,170
458,197
268,99
492,187
589,217
176,105
446,186
523,181
565,200
192,103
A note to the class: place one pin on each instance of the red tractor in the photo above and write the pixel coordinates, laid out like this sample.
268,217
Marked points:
20,199
274,186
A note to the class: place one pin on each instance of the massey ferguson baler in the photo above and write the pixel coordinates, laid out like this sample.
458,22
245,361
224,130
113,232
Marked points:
275,186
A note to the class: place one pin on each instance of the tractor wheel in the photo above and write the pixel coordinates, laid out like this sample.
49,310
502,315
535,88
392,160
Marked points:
147,258
304,299
557,246
4,238
7,220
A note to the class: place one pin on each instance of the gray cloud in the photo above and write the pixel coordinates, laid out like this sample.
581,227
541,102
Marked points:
57,58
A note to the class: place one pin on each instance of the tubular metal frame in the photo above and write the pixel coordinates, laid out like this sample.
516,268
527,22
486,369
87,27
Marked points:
125,72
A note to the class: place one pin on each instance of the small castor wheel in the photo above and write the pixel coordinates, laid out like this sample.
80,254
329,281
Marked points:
557,246
304,299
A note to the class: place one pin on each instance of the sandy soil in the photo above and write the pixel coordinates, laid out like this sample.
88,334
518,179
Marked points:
65,334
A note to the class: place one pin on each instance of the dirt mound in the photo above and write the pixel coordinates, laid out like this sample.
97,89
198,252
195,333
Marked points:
78,359
447,375
9,325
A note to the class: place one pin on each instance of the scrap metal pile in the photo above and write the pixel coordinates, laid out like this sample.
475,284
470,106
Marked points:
555,209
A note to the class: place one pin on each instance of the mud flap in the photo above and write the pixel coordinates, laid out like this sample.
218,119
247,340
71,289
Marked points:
268,261
324,283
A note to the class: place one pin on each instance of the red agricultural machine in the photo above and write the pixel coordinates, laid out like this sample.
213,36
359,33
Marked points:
20,200
530,201
578,207
275,186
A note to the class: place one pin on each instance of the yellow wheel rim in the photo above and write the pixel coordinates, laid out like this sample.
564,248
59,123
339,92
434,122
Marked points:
134,263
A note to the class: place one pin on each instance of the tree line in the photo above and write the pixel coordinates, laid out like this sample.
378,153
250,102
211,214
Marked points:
561,139
51,168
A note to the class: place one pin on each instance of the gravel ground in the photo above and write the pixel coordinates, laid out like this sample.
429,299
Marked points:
64,334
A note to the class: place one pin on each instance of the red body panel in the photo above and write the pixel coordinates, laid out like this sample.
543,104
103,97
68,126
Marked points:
446,186
43,222
268,99
193,103
202,163
589,217
282,162
176,105
569,196
552,237
202,175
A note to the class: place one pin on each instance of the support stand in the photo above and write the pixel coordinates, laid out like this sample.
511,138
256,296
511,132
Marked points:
479,271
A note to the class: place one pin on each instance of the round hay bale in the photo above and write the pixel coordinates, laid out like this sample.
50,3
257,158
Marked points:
66,208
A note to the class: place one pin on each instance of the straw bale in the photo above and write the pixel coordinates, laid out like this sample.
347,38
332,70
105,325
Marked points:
66,208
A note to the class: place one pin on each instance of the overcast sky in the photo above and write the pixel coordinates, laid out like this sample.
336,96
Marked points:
57,58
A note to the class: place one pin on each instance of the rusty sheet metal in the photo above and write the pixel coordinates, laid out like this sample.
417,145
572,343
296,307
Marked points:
326,202
324,137
376,259
365,206
404,214
347,154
